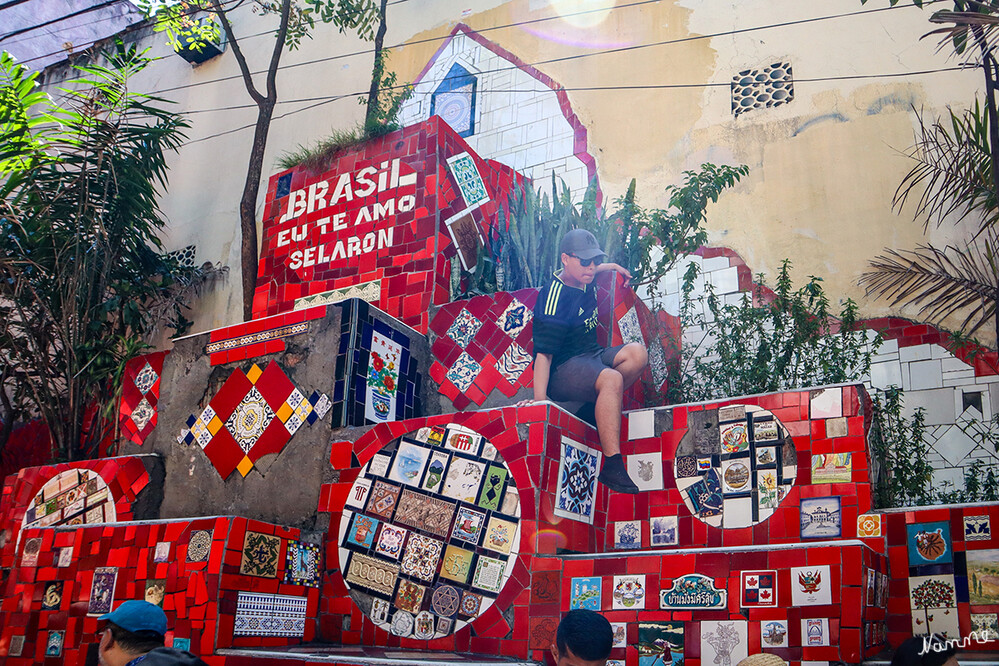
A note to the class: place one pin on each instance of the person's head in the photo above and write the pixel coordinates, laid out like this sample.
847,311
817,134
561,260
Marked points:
133,629
930,650
583,638
581,254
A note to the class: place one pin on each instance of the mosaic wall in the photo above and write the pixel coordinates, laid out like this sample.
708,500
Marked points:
430,533
255,413
200,571
377,372
420,194
93,491
484,345
955,388
140,394
494,100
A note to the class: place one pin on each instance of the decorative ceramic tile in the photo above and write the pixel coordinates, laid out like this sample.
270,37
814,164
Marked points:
985,626
869,525
155,591
445,600
468,525
390,541
16,646
577,481
463,479
29,554
383,499
254,338
379,611
65,557
402,624
444,626
435,471
660,643
514,318
462,167
492,488
511,502
378,465
430,514
821,518
686,466
409,596
546,587
410,461
811,586
463,440
467,237
366,291
663,531
488,574
464,328
182,644
260,555
424,626
421,557
736,476
734,438
470,604
982,566
102,590
362,530
513,362
269,615
146,378
142,414
692,591
200,546
631,329
541,632
52,596
628,534
619,631
628,592
251,417
586,593
929,543
384,363
759,588
977,528
72,497
500,535
934,605
464,371
53,643
358,495
832,468
457,564
814,632
372,574
646,470
773,633
724,642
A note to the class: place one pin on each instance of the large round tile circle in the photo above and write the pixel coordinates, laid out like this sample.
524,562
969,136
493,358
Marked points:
430,532
735,465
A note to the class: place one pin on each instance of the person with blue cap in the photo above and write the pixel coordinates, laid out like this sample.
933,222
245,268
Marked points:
134,636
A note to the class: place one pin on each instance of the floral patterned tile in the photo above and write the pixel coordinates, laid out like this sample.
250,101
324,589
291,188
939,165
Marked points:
513,362
464,371
464,328
631,329
513,320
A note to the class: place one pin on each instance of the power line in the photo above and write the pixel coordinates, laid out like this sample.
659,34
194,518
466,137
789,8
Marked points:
78,12
665,86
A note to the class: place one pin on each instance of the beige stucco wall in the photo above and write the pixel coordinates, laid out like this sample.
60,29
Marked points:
824,167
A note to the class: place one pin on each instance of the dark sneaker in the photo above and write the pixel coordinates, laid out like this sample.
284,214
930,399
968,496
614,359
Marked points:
615,476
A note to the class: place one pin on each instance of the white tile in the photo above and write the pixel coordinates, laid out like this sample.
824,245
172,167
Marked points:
641,424
915,353
940,352
954,445
715,264
955,475
938,403
646,470
925,375
887,374
954,364
828,404
725,281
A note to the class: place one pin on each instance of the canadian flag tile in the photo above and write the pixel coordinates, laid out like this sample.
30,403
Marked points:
759,588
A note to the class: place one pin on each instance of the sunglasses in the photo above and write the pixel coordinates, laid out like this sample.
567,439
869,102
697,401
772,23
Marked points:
596,261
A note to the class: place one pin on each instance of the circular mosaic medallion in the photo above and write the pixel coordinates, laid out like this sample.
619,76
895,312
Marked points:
73,497
734,465
430,532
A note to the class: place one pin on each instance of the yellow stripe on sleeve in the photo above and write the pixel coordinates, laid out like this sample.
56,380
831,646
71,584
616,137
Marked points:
551,305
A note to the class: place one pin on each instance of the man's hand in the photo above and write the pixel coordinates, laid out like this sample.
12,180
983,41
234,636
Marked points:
602,268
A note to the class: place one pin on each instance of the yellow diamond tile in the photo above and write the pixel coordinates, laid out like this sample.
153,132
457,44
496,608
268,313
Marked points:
253,375
215,425
284,412
244,466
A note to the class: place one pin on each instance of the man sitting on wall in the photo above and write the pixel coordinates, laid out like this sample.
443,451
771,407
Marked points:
569,364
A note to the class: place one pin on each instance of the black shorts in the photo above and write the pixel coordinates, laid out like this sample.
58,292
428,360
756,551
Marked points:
576,379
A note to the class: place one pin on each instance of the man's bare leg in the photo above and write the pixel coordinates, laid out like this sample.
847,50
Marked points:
631,361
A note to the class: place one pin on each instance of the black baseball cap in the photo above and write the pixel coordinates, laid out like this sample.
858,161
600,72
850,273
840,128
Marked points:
581,243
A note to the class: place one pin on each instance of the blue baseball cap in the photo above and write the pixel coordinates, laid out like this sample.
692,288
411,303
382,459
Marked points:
138,616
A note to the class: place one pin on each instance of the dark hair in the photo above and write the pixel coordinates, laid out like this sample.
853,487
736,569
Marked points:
135,642
588,635
930,650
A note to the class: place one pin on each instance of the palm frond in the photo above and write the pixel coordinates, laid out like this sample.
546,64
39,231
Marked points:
941,282
952,174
